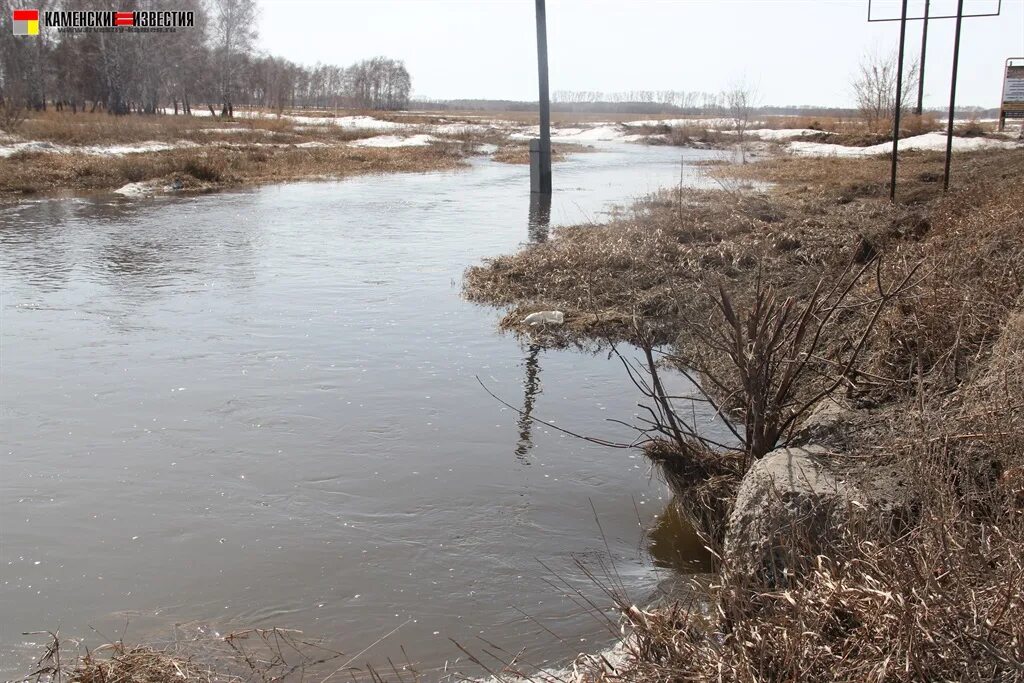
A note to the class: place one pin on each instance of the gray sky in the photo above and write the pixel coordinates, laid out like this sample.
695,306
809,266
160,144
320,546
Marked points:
796,51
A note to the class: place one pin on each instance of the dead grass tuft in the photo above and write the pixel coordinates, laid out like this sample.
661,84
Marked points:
198,656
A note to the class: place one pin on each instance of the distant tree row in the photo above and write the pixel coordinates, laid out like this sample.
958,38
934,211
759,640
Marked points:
676,100
213,65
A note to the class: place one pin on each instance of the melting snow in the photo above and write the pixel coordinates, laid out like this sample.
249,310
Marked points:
928,141
420,140
781,134
99,150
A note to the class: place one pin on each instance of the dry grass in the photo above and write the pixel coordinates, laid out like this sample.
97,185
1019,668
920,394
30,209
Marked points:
211,167
663,261
102,129
939,600
684,135
198,655
213,153
833,124
519,152
677,244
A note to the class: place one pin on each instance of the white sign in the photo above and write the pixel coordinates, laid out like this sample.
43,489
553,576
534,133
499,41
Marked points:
1013,92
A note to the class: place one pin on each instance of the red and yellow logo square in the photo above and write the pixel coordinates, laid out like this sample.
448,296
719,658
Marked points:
26,22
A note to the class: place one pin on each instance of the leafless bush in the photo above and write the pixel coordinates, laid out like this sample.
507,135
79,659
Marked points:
874,88
756,364
12,115
741,100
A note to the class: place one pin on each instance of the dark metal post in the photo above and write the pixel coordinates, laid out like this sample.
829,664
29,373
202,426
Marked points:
899,100
952,93
924,54
541,180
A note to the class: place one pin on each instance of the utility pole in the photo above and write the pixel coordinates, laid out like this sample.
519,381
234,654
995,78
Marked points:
540,150
924,48
952,93
899,100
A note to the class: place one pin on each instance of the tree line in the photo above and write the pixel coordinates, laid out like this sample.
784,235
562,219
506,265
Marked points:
214,64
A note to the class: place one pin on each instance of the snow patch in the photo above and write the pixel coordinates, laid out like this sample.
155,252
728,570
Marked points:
928,141
598,133
257,131
420,140
715,123
136,189
30,146
781,134
350,122
96,150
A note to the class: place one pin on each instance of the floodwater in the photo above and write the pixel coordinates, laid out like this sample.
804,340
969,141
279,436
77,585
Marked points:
261,408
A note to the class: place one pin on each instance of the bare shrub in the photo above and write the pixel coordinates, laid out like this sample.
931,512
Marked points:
740,102
12,115
874,88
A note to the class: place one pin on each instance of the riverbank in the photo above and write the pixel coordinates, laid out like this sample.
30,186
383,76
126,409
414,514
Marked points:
55,153
59,152
883,339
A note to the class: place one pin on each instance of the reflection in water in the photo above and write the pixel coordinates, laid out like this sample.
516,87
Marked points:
531,387
540,216
675,544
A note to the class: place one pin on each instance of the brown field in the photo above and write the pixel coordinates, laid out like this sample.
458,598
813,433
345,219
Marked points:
214,153
213,167
103,129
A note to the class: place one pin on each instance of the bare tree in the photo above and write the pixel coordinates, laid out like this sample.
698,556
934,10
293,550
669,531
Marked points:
214,60
741,99
874,88
234,36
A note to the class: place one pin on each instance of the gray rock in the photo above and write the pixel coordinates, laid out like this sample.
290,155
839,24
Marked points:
829,422
794,504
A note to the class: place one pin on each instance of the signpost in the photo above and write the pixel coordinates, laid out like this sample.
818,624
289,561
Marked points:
994,9
1012,104
540,150
899,102
924,54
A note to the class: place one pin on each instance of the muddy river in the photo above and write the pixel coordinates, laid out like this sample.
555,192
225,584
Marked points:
260,408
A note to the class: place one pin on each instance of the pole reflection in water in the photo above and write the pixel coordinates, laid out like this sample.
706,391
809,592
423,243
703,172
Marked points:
540,216
531,387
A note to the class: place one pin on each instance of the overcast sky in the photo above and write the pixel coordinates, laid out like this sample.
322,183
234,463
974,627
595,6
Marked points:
797,51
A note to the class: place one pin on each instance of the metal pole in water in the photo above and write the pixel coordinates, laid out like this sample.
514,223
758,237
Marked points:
540,159
920,70
899,101
952,93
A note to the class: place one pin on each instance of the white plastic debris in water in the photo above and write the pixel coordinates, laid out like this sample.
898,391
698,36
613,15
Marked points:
544,318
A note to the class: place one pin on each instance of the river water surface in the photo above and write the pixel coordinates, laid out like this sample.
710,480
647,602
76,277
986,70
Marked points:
260,408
